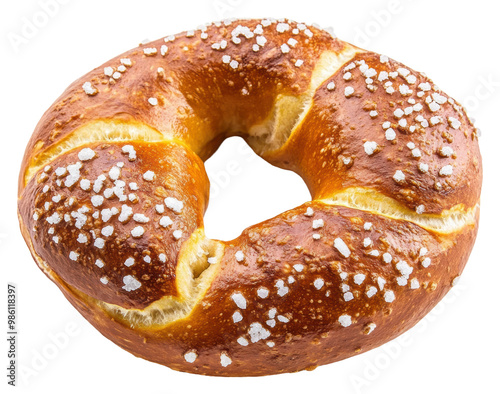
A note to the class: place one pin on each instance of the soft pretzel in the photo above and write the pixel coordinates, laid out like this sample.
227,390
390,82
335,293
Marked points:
112,192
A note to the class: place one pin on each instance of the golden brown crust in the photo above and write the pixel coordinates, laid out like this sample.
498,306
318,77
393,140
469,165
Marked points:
208,94
104,226
305,331
112,192
430,162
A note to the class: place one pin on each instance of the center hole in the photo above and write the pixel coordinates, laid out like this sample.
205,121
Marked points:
246,190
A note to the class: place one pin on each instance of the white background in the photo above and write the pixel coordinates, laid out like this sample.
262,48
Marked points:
455,348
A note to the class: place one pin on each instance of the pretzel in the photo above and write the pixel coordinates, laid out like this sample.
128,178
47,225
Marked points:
112,192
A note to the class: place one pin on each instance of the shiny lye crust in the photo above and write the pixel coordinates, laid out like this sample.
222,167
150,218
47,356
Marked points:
112,192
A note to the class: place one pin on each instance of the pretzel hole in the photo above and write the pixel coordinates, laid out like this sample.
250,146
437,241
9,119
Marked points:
245,190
